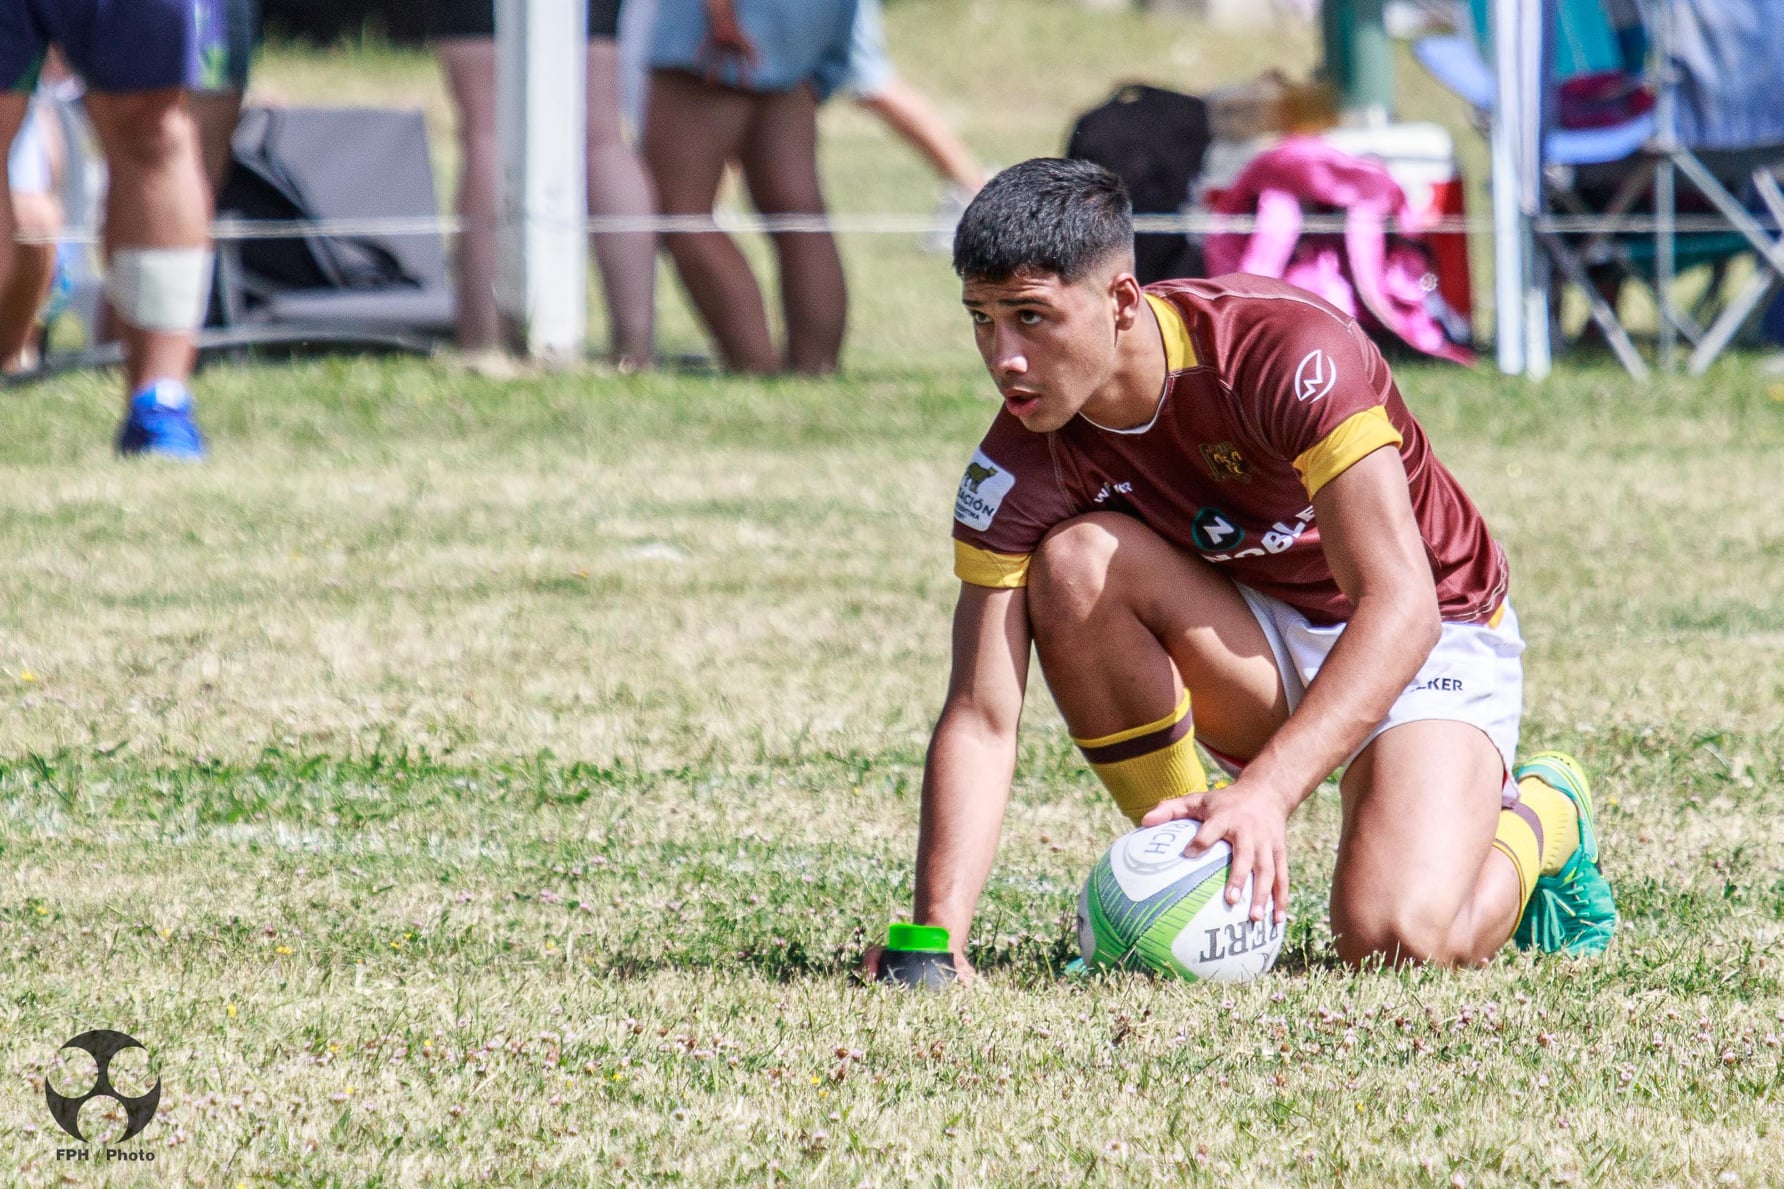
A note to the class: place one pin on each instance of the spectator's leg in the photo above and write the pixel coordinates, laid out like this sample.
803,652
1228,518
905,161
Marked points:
217,113
908,112
691,130
157,198
780,163
617,185
27,283
12,114
470,64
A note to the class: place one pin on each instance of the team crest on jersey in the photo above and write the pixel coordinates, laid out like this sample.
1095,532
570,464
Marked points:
1215,532
1225,462
1314,376
982,491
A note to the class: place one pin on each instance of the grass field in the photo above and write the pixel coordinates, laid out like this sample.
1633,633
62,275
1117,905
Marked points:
456,781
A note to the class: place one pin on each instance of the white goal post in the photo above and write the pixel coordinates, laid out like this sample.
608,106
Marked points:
541,112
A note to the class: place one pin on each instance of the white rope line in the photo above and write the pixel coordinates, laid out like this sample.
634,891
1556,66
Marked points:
891,223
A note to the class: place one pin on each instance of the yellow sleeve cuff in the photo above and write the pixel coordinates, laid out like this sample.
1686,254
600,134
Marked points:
981,567
1357,435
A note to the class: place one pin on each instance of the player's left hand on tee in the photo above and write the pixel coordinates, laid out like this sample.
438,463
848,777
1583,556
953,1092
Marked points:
1254,825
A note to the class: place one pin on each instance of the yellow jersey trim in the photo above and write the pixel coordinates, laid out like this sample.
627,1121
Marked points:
1359,434
982,567
1498,617
1174,717
1180,353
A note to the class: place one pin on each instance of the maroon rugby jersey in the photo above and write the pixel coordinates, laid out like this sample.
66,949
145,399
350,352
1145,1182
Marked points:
1271,393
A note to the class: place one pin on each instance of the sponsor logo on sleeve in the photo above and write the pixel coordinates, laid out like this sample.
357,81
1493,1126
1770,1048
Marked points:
982,491
1314,376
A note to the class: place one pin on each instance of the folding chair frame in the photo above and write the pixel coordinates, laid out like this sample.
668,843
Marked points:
1571,262
1769,251
1538,209
1604,244
1675,158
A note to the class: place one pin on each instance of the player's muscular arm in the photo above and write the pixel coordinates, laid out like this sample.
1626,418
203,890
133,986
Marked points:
972,755
1372,543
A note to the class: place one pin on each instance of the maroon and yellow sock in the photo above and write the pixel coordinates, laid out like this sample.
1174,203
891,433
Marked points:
1538,834
1150,763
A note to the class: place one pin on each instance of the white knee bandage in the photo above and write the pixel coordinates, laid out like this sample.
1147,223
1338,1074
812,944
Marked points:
161,289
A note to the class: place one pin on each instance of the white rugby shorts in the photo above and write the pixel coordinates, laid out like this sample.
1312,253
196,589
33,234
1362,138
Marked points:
1474,674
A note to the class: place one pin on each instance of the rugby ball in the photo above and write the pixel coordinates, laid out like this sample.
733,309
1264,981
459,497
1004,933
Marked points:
1146,907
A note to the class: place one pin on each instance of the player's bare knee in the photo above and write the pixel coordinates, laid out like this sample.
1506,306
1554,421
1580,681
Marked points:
150,137
1392,933
1068,573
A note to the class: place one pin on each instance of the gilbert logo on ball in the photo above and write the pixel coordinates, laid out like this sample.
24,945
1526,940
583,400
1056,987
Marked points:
1146,907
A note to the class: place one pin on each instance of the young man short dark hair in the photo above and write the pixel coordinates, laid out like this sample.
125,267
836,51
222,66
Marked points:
1209,493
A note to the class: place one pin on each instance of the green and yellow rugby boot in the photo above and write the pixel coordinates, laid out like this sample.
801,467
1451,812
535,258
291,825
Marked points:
1573,910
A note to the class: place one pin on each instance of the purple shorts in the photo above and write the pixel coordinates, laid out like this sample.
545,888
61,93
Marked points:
116,45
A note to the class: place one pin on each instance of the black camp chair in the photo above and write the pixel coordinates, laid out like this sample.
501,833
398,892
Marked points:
379,283
1154,141
378,279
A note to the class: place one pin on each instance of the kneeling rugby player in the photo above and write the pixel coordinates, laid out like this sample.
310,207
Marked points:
1209,494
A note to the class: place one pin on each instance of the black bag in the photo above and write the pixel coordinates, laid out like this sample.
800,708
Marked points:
260,188
1154,141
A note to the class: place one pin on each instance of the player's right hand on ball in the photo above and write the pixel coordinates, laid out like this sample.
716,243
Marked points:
1254,824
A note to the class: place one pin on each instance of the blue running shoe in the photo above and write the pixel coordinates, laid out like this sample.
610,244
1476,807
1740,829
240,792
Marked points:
1572,911
160,423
